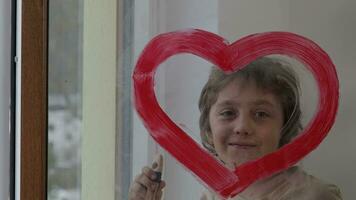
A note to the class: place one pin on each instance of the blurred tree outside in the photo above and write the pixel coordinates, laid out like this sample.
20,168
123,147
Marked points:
64,98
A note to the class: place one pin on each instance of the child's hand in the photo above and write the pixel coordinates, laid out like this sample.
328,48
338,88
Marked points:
148,185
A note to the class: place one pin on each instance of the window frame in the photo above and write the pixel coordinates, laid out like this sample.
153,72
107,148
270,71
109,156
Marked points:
34,101
33,166
12,116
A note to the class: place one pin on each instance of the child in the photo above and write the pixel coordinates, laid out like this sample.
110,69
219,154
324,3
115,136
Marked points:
244,116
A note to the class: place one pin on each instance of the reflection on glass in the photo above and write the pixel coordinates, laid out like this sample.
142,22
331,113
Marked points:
64,99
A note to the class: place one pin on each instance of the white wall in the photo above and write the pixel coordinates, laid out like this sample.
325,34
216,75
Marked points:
331,24
239,18
5,53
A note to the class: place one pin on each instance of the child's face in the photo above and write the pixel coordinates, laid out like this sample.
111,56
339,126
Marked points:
245,123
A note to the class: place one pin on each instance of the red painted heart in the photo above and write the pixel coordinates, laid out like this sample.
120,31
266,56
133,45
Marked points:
231,58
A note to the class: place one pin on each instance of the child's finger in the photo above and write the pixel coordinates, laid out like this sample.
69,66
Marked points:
139,188
137,191
146,182
157,166
159,163
150,195
159,194
149,173
162,184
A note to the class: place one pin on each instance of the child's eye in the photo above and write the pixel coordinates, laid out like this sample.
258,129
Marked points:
261,114
227,113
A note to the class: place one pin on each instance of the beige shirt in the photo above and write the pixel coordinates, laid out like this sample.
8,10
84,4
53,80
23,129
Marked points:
291,184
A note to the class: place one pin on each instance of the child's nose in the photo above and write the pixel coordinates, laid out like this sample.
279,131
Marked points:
243,125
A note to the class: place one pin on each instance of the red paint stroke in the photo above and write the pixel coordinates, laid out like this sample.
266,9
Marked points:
231,58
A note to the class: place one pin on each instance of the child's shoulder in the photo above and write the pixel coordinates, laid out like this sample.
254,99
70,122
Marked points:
208,195
293,184
302,185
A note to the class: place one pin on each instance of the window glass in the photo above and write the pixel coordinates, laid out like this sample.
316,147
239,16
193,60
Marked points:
65,47
82,103
178,92
98,143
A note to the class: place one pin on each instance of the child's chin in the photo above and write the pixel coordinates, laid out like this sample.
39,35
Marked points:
241,161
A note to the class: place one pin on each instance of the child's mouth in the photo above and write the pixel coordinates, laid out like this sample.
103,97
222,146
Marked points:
242,145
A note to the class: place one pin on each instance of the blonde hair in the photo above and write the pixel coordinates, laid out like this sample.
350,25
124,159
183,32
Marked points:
271,74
